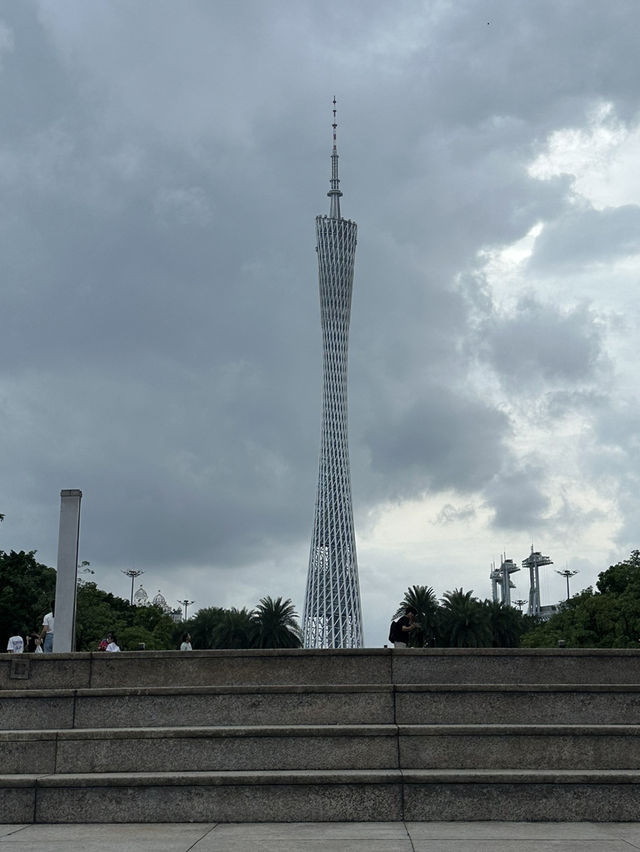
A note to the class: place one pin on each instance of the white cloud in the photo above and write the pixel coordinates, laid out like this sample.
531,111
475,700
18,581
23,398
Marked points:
600,158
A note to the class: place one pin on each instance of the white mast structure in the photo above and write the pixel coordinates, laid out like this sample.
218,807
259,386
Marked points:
533,563
501,579
332,613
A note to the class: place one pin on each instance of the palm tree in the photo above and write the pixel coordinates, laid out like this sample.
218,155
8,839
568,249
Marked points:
507,624
423,600
202,626
276,624
234,629
465,621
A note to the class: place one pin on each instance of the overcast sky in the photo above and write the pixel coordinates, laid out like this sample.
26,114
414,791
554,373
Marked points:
161,166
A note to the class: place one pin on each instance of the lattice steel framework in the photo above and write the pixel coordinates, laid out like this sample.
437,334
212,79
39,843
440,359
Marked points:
332,615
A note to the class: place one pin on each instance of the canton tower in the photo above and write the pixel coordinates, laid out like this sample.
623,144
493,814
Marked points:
332,617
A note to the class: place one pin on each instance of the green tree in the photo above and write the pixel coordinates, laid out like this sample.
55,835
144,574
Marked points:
423,600
203,627
465,621
624,576
27,588
234,629
606,618
98,613
506,623
276,624
150,626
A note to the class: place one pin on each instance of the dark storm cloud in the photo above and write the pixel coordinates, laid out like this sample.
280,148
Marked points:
437,441
161,165
540,345
518,499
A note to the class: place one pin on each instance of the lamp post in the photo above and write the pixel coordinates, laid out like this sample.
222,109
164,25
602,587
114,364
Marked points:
520,604
567,574
185,603
133,574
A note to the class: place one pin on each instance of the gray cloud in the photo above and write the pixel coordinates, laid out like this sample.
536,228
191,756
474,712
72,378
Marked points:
159,176
540,344
584,236
440,440
518,499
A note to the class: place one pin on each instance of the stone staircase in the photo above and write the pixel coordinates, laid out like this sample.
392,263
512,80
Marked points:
381,734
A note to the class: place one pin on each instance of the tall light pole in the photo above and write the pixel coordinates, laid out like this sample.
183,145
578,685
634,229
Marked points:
185,603
133,574
567,573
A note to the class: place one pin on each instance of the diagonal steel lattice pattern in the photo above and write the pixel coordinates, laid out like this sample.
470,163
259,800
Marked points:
332,614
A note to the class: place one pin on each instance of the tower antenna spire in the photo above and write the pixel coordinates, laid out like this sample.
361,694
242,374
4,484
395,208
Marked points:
334,193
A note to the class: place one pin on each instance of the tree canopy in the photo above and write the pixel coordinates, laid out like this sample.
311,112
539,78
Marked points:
27,589
461,620
607,617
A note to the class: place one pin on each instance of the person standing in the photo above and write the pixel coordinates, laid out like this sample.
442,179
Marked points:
186,643
15,645
400,629
112,645
47,631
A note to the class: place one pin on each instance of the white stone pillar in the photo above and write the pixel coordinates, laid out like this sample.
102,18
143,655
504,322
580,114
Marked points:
66,581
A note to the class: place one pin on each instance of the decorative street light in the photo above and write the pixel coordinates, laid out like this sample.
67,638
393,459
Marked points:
567,574
185,603
133,574
520,604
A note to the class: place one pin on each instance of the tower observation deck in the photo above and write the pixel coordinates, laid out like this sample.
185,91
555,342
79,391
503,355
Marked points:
332,614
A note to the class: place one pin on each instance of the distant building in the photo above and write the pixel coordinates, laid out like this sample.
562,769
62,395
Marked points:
141,598
161,601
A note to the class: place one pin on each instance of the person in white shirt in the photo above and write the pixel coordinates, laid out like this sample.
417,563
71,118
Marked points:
47,631
15,644
186,642
113,644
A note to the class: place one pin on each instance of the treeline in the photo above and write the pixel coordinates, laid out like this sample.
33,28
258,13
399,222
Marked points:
272,624
27,588
605,617
460,620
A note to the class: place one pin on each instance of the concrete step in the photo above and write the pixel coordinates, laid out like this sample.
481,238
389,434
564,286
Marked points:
435,734
303,666
515,704
194,668
309,796
336,747
169,706
522,795
550,747
359,704
204,749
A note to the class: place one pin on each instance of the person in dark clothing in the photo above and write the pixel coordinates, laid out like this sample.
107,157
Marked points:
400,629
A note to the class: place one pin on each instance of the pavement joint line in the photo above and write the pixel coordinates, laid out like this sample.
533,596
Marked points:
202,837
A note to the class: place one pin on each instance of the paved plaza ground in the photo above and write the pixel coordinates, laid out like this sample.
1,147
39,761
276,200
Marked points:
325,837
